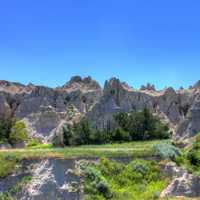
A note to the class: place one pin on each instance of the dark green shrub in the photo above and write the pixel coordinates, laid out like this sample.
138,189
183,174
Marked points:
99,136
95,182
81,133
194,154
103,188
6,124
67,134
194,157
120,135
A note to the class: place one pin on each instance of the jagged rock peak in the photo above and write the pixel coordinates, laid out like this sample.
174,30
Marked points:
11,87
4,83
169,90
77,82
75,79
115,83
149,87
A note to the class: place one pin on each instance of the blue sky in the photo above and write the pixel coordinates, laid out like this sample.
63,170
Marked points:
48,41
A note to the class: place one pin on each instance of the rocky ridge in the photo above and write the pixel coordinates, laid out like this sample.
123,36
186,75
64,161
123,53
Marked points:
44,109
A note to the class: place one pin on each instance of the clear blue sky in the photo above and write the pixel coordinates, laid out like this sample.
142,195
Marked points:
138,41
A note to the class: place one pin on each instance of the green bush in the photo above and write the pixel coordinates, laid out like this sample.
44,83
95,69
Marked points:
107,179
194,154
167,151
6,196
81,133
33,142
7,165
18,133
95,182
67,134
6,124
120,135
194,157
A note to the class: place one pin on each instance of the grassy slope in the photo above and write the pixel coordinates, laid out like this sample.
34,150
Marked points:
135,149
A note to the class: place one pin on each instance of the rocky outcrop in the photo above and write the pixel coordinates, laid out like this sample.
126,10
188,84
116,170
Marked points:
48,179
190,126
183,183
44,109
51,180
118,96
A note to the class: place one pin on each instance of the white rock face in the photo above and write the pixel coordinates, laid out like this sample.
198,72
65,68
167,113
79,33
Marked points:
183,183
50,181
190,125
43,109
42,174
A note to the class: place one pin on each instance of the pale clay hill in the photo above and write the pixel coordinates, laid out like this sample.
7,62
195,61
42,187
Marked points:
45,109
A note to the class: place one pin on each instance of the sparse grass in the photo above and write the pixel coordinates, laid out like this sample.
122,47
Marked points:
135,144
40,146
136,149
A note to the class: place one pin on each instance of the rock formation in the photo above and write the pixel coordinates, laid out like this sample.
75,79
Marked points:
44,109
50,179
183,183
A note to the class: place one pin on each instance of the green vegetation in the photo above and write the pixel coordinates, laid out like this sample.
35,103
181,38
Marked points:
167,152
142,125
192,156
12,131
33,143
194,153
7,165
18,133
131,149
129,127
6,124
188,157
113,180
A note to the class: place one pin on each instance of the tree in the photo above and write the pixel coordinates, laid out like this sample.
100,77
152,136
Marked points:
120,135
67,134
81,133
18,133
122,119
142,125
6,124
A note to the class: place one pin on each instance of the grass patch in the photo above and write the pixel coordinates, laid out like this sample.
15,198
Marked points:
136,149
40,146
7,165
